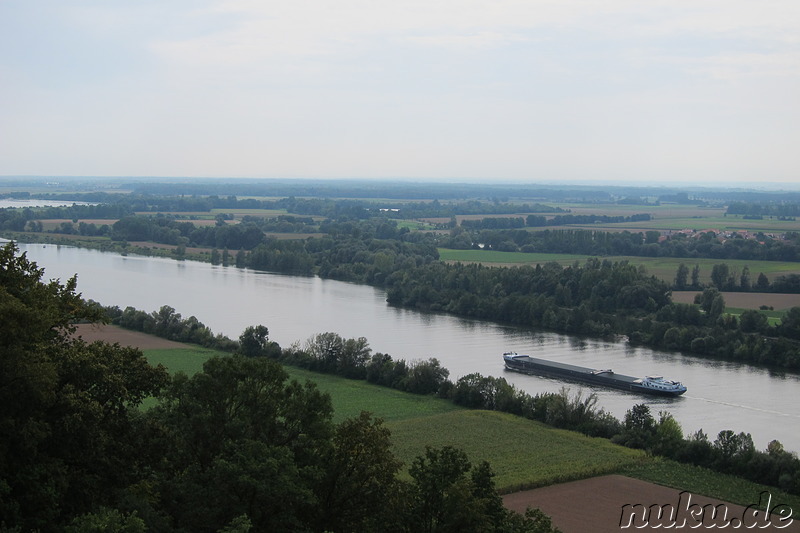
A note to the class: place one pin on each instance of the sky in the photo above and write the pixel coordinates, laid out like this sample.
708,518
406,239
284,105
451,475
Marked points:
539,91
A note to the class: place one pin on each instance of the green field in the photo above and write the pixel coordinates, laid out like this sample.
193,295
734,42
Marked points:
186,360
773,317
523,453
522,258
253,212
677,217
703,481
661,267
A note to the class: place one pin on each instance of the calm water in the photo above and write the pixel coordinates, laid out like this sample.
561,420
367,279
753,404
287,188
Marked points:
227,299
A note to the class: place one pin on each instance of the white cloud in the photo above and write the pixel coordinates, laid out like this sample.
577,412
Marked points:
370,88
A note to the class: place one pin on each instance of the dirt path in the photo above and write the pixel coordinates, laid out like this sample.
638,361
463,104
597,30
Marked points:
595,505
745,300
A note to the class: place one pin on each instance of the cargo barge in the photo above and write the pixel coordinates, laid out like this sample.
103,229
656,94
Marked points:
606,378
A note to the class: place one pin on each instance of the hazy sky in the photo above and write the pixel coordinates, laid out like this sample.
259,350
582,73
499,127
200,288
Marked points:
698,91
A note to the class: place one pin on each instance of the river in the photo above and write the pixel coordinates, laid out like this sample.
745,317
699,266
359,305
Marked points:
228,299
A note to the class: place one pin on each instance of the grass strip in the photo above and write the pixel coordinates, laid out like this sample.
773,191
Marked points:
703,481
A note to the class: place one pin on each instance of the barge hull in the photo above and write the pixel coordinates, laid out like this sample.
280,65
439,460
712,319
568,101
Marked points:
605,378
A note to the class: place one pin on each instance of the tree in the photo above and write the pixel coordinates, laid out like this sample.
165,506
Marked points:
254,342
717,307
640,427
681,277
744,279
696,276
790,323
244,440
668,437
719,276
734,448
442,493
353,358
426,377
107,521
752,321
711,301
325,349
241,258
448,494
69,437
359,478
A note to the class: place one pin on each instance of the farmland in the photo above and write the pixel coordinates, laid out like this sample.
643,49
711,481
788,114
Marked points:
661,267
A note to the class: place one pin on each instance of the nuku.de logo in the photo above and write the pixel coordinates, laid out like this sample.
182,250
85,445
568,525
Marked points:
685,514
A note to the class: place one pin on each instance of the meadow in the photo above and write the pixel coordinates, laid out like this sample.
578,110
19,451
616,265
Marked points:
663,268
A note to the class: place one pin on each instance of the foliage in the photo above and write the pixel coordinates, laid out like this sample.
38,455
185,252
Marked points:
67,423
107,521
169,324
448,495
254,342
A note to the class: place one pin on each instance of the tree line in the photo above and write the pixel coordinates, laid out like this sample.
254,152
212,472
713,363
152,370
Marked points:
762,209
236,447
500,223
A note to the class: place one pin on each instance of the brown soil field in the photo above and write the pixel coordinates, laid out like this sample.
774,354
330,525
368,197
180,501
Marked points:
595,505
156,245
124,337
97,221
745,300
292,236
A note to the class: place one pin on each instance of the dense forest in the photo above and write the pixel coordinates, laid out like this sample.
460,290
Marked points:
236,447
